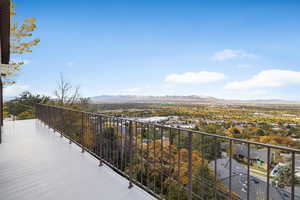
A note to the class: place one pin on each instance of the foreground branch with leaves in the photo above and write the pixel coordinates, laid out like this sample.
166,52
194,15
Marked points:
21,43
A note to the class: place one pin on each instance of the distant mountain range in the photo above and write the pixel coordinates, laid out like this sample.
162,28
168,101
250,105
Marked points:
192,99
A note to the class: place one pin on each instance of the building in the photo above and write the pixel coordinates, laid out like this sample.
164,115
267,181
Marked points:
258,157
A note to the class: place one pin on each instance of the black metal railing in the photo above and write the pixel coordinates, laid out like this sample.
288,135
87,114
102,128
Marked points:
178,164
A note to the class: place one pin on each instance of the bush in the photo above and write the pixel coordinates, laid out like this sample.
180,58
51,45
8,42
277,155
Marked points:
26,115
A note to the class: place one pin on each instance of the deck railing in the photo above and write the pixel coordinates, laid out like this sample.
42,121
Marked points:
174,163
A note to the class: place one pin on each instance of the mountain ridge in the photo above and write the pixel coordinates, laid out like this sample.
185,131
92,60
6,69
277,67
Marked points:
182,99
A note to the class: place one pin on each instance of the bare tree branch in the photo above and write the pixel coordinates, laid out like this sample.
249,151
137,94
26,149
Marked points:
65,93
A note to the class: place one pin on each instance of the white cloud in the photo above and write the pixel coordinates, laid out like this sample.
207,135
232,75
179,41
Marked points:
266,79
14,90
229,54
132,90
69,64
194,77
248,94
244,66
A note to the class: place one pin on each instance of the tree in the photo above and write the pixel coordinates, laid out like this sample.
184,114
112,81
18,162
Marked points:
21,42
84,102
164,167
66,94
285,176
23,106
274,140
25,115
233,132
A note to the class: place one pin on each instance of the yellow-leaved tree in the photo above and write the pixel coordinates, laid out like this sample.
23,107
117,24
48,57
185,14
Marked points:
21,42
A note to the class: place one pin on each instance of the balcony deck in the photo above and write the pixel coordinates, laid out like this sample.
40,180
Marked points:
36,163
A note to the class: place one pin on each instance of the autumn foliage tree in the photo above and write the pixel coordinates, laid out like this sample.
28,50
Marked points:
163,167
274,140
21,42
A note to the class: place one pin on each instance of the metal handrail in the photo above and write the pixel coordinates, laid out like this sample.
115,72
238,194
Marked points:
183,129
153,156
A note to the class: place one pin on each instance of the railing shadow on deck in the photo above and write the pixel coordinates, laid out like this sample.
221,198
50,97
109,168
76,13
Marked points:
174,163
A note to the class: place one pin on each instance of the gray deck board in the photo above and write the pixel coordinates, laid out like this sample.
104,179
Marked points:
36,164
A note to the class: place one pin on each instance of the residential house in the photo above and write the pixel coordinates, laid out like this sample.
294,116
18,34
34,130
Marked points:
258,157
257,187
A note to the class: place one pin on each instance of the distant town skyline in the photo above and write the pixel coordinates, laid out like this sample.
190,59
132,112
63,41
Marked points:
224,49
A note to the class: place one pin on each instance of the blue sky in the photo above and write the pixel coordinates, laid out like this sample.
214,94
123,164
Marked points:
225,49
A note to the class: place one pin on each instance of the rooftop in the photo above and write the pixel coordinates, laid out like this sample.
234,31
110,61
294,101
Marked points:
257,188
37,163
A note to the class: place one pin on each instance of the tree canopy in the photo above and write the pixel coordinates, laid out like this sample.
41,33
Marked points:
21,43
23,106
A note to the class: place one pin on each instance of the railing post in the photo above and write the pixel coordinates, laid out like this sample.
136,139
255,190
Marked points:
130,155
202,166
50,118
268,173
35,111
100,141
190,166
293,177
215,167
0,134
69,127
47,116
38,111
248,172
53,117
94,132
230,168
62,123
82,132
